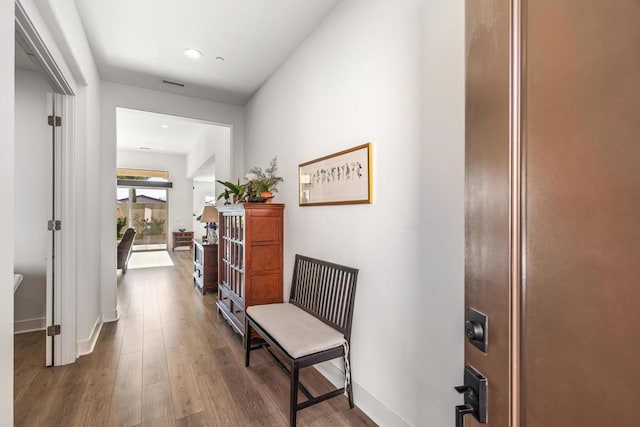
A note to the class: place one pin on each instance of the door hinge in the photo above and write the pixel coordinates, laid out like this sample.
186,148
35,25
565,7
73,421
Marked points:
53,330
54,121
54,225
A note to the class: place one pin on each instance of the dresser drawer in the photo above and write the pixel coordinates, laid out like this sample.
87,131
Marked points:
205,266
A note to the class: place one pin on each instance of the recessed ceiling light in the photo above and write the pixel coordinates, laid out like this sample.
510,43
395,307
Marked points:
145,148
193,53
219,59
164,126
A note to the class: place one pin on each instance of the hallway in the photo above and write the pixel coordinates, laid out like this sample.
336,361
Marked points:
168,361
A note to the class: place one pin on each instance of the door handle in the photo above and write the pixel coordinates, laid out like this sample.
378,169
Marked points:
475,397
461,411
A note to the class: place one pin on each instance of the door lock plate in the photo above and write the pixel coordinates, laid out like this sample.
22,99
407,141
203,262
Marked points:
476,329
475,390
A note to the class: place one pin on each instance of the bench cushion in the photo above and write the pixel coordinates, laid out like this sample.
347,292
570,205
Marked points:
297,332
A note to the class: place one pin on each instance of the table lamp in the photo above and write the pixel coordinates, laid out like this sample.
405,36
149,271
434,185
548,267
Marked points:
210,218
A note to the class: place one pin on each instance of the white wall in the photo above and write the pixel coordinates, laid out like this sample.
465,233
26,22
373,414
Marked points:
6,215
201,190
438,298
213,148
32,205
180,196
391,73
212,151
117,95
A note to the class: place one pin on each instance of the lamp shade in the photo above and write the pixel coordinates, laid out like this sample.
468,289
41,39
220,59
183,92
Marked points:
209,214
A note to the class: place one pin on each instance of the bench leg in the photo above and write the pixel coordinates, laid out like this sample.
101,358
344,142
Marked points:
247,343
294,394
349,387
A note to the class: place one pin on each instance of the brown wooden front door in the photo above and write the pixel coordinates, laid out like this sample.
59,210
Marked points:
553,209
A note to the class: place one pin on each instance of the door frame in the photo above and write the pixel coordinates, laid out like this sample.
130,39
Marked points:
64,295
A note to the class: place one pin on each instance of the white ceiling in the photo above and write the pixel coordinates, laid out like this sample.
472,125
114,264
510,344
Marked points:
135,129
141,42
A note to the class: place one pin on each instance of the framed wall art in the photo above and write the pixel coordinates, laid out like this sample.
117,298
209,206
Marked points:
337,179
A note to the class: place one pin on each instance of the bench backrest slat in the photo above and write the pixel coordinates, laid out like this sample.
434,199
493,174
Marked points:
325,290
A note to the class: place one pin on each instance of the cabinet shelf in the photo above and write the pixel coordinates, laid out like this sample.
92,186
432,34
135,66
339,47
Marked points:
233,267
231,295
228,239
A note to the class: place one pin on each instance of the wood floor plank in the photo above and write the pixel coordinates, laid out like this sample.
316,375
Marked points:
26,344
172,336
153,339
273,420
27,369
38,392
132,341
152,321
92,413
112,330
218,402
236,379
100,382
186,396
109,354
201,354
126,402
195,420
157,410
154,365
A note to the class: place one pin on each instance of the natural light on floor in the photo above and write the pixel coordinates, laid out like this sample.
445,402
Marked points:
150,259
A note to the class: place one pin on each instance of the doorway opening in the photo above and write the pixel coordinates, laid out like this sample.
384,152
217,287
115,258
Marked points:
45,252
167,167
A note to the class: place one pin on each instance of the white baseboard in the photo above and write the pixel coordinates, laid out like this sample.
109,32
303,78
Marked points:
87,346
110,315
29,325
364,400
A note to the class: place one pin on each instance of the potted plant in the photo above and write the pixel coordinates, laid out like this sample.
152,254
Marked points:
237,191
263,183
121,222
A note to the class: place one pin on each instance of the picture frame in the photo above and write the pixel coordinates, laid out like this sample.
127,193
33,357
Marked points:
341,178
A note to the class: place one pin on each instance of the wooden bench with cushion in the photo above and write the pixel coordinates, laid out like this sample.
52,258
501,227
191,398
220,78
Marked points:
313,327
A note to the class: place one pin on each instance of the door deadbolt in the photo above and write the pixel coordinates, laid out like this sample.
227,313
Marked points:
475,328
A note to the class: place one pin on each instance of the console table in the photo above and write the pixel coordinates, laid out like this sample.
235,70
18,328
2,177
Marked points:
184,238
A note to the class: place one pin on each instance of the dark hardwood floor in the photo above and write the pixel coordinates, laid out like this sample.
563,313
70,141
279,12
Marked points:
168,361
